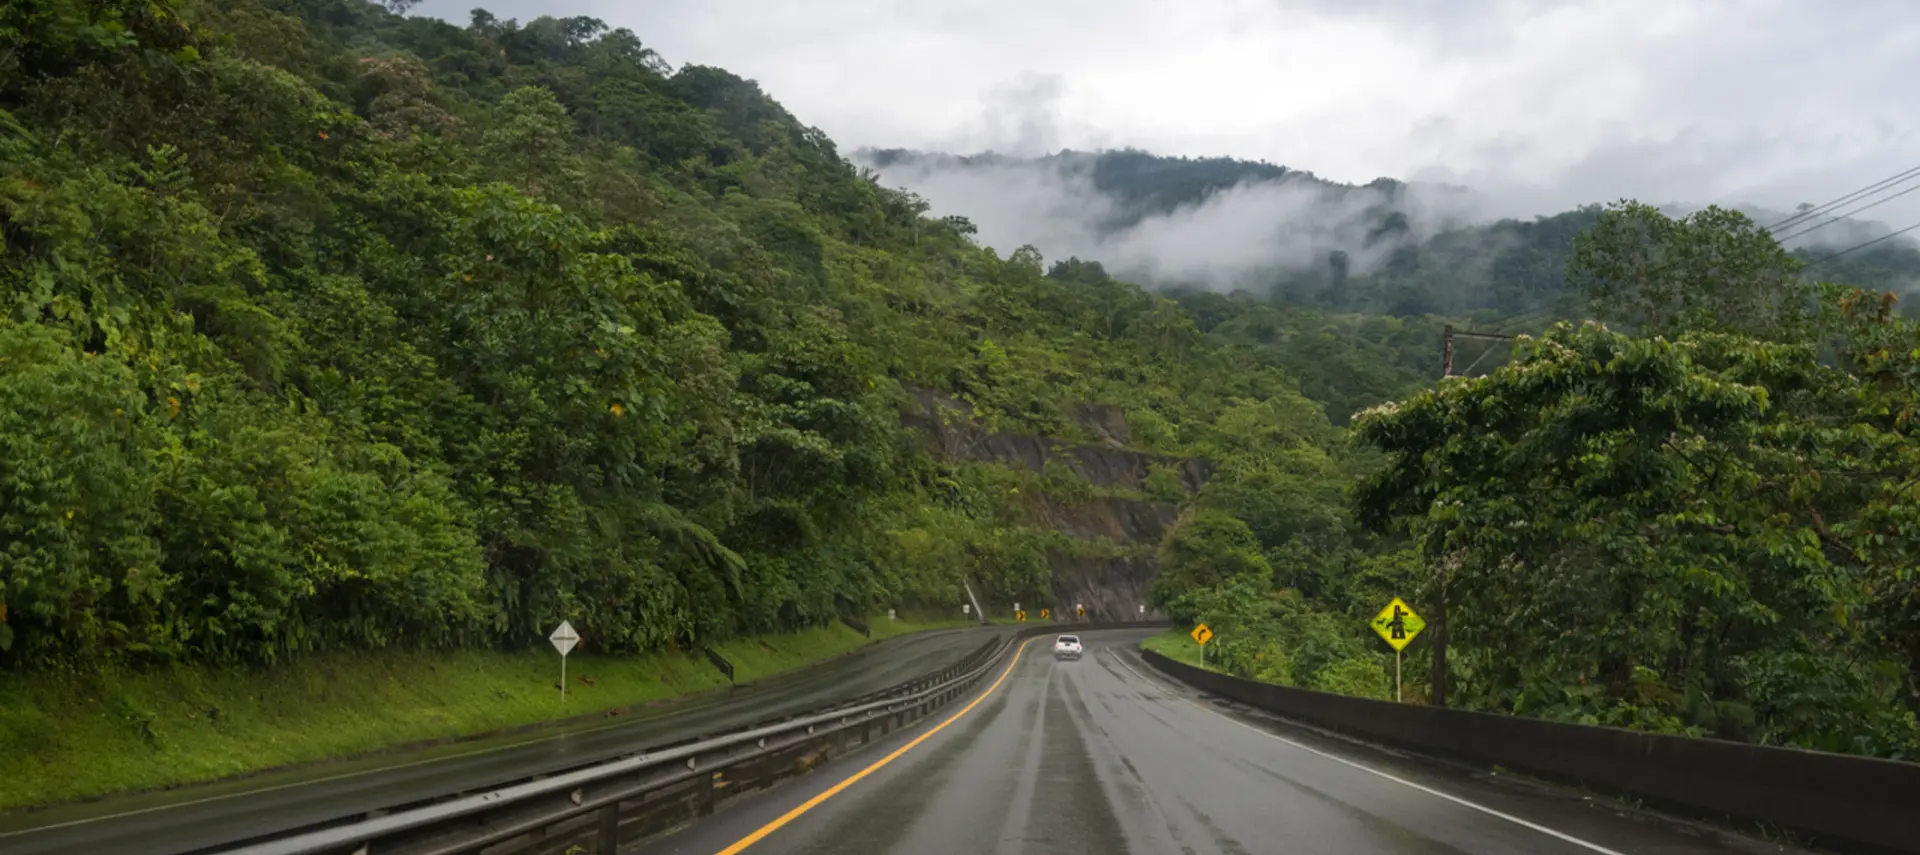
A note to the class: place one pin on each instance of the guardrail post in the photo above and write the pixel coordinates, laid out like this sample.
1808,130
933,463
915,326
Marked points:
606,841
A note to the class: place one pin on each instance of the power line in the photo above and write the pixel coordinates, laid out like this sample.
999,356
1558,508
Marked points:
1448,334
1547,313
1491,347
1827,258
1838,217
1834,203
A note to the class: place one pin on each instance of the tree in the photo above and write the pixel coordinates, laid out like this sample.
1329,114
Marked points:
1711,270
1643,536
529,143
1205,551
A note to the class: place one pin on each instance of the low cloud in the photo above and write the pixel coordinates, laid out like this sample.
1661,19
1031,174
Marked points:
1247,235
1238,237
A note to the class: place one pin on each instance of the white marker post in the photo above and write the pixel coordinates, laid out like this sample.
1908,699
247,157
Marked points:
564,638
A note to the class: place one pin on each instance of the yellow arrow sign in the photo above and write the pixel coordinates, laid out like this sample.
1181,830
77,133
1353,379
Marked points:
1202,633
1398,624
1046,614
1020,616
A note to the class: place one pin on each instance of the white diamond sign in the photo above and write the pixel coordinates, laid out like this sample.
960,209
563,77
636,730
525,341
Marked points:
564,638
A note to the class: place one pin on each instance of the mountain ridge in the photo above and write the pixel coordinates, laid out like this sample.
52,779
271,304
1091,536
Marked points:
1389,246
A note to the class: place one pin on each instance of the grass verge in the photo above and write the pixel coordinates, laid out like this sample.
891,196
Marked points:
65,737
1177,645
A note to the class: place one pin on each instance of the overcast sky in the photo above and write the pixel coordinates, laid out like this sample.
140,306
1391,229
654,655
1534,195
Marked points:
1541,103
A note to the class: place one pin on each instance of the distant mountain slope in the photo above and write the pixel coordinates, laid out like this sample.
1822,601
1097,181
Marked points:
1391,247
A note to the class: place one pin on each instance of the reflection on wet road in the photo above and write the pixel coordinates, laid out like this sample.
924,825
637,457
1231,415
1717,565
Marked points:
1103,756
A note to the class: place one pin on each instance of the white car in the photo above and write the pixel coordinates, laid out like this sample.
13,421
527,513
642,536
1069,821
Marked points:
1066,647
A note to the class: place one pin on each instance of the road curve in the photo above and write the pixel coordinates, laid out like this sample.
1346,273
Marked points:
198,817
1103,756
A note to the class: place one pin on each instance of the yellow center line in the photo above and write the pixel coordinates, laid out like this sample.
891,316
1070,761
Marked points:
771,827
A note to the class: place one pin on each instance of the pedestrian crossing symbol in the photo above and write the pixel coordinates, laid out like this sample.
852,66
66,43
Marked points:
1398,624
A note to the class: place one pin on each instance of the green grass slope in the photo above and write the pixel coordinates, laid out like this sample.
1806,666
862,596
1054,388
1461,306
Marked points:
67,736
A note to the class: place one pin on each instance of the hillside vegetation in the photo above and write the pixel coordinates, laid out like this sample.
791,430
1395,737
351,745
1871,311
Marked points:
1348,285
1705,527
336,329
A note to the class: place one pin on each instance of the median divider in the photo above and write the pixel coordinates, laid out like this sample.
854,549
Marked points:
1860,804
600,807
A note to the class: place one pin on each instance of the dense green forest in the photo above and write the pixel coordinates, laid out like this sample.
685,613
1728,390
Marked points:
1704,526
332,329
335,328
1356,338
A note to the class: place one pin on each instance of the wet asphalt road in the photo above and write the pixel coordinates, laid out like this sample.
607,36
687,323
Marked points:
192,818
1105,756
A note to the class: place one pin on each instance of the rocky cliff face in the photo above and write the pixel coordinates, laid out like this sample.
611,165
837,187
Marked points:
1111,588
947,426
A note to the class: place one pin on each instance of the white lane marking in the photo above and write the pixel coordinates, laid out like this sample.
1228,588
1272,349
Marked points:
1595,847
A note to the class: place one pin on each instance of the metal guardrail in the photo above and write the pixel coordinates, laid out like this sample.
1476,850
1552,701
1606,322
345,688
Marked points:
1844,802
595,808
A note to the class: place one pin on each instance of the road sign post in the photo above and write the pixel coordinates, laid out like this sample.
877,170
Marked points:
564,638
1202,634
1397,625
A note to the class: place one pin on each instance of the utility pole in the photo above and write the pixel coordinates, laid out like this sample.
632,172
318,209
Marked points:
1437,678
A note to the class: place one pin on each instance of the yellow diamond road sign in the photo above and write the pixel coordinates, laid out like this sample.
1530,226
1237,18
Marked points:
1398,624
1201,633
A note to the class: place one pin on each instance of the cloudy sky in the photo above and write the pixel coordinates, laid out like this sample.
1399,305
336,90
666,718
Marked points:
1556,101
1538,105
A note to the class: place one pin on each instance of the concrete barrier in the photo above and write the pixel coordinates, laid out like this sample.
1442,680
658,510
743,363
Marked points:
1860,804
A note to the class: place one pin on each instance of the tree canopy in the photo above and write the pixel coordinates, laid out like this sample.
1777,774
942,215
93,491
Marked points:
330,327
